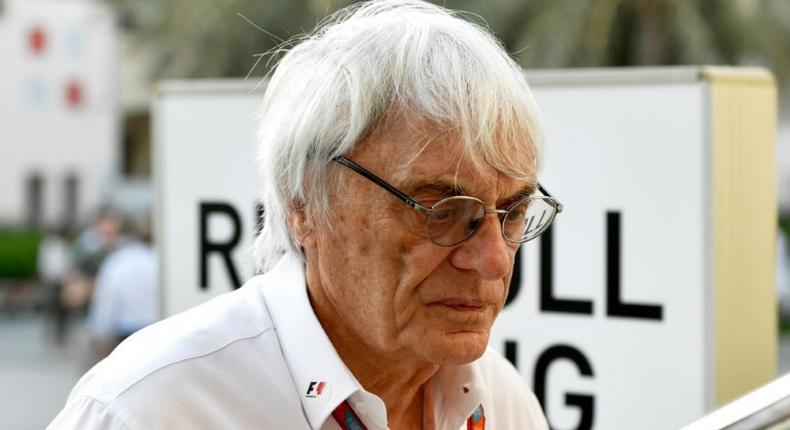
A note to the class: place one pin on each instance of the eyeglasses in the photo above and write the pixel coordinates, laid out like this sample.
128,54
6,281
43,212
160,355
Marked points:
454,219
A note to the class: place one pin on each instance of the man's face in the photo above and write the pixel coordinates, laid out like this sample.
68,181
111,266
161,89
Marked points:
109,228
389,286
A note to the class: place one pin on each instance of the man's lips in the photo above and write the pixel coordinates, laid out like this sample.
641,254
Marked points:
461,303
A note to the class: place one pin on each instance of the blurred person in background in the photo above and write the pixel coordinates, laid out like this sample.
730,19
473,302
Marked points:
125,295
103,236
400,146
55,265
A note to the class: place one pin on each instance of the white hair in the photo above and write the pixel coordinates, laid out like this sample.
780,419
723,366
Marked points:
337,84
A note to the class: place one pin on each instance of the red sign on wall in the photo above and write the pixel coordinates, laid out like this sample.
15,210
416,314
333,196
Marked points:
37,40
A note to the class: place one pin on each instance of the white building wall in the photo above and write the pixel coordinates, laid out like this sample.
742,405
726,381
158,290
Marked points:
46,48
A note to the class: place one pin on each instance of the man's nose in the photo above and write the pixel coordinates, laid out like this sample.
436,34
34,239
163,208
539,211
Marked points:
486,252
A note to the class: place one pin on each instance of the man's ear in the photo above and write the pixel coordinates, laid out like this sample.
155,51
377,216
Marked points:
300,225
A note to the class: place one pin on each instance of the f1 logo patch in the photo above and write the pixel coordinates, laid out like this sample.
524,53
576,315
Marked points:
315,389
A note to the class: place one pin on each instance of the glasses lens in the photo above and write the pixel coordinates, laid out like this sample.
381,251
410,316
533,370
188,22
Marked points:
526,220
453,220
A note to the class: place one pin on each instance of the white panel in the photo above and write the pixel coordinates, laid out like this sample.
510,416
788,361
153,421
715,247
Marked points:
637,150
206,145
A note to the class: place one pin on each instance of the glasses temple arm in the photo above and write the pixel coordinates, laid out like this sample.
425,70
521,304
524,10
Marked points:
543,190
546,193
378,181
397,193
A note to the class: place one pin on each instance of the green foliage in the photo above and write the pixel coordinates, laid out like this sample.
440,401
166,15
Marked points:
18,253
209,38
601,33
214,39
784,225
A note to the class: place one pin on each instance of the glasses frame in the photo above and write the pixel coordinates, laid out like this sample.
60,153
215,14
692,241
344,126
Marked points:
548,198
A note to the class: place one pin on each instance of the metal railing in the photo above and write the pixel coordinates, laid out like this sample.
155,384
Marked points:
767,407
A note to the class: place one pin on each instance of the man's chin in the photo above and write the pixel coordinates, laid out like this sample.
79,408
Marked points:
457,348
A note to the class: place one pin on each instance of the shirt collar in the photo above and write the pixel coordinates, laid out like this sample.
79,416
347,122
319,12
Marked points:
321,377
312,359
457,391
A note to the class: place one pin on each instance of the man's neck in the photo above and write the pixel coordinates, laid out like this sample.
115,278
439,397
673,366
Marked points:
401,383
403,388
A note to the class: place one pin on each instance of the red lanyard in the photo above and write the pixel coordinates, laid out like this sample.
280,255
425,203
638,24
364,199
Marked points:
347,419
476,421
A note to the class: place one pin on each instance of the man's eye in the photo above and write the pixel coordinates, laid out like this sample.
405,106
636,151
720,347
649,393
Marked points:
443,214
517,213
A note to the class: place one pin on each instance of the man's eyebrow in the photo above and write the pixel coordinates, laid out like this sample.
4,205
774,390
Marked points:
527,190
522,193
449,189
442,188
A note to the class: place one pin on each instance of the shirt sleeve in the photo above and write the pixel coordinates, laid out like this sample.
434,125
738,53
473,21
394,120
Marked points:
86,413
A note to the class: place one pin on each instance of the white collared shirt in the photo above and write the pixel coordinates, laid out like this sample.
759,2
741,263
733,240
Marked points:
258,358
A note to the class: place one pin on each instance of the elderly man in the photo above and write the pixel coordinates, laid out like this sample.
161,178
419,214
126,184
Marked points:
400,147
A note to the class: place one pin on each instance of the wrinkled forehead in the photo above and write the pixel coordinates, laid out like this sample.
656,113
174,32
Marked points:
422,147
418,149
443,163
